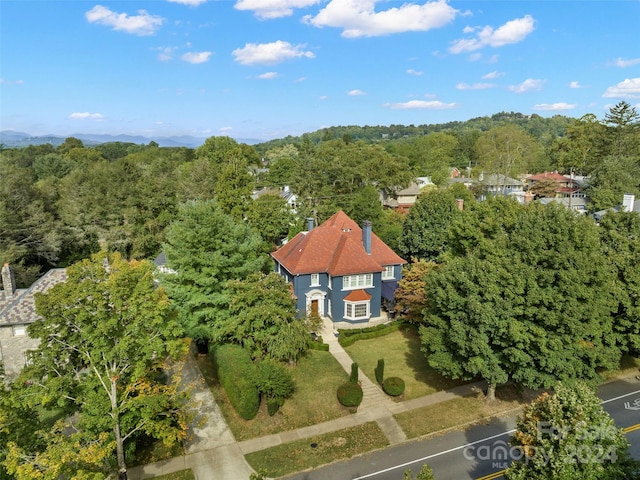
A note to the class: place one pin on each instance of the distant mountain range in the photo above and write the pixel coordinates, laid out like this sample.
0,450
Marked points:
12,139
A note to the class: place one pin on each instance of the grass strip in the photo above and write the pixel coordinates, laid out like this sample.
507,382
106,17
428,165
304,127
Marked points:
457,412
319,450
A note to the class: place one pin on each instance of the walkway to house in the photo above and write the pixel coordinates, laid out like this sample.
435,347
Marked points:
213,453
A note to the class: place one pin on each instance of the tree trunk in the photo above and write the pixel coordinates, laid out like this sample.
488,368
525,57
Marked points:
491,393
122,466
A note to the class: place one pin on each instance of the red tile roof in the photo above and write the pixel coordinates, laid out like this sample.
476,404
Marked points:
551,176
358,296
335,247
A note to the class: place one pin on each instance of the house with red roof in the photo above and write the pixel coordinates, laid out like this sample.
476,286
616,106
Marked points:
340,270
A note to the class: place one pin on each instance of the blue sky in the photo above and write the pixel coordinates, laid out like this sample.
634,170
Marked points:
265,69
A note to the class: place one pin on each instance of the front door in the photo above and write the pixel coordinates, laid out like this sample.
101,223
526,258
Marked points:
314,308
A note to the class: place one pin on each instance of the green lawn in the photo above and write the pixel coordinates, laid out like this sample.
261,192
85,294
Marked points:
456,412
402,358
319,450
317,377
181,475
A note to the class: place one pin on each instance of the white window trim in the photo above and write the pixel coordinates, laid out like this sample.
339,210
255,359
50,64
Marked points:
389,272
353,305
365,278
315,279
19,330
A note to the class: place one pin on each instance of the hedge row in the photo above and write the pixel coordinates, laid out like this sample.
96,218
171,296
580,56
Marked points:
237,375
319,345
350,336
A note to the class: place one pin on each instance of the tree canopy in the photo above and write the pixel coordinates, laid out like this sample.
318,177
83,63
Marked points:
105,334
207,248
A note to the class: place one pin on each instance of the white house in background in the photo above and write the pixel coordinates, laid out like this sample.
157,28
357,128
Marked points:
403,200
629,204
17,312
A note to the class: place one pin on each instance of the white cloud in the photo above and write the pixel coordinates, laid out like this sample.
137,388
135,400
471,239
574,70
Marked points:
269,53
554,106
492,75
622,63
166,53
141,24
196,57
86,116
421,104
191,3
356,93
300,80
358,18
225,129
411,71
575,84
526,86
323,97
475,86
11,82
268,75
513,31
629,88
266,9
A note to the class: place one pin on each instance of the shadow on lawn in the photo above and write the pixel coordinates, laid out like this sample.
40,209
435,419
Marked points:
417,362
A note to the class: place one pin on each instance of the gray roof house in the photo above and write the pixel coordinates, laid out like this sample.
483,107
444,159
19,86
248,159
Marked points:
17,312
629,204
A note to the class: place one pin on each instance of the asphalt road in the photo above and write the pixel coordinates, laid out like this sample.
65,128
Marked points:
474,453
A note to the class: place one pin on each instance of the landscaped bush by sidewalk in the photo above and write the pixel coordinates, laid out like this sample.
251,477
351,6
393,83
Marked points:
350,394
275,383
393,386
353,378
349,336
379,371
237,374
319,345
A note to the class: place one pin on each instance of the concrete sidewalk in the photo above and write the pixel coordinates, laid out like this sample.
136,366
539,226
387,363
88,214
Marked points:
222,458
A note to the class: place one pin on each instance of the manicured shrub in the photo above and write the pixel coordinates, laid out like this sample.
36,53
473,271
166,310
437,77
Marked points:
350,336
275,383
319,345
380,371
237,375
353,378
350,394
393,386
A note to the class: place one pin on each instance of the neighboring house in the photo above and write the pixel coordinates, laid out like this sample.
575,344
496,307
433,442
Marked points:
403,200
339,270
557,188
498,184
161,264
284,192
629,204
17,312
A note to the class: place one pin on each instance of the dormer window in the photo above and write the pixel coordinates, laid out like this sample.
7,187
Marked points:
315,279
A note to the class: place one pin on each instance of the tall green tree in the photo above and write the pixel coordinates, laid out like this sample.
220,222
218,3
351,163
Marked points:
271,217
263,319
424,232
567,435
620,236
207,248
623,125
105,333
507,150
525,294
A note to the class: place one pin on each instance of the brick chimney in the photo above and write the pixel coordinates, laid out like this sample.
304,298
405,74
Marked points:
366,236
8,281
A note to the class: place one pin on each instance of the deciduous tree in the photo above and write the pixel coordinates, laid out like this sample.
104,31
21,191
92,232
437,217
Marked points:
567,435
105,333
